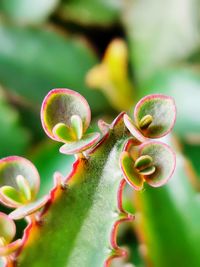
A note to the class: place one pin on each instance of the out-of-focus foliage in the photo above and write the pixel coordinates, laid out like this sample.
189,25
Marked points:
91,12
56,43
14,138
161,33
33,61
28,11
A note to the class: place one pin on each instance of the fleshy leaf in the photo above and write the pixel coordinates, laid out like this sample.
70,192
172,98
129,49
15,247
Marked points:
130,174
7,228
145,121
143,162
133,129
11,195
13,166
77,126
59,106
63,132
10,248
28,209
86,142
148,171
164,161
161,109
24,187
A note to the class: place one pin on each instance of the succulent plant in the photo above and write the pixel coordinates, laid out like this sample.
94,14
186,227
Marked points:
77,223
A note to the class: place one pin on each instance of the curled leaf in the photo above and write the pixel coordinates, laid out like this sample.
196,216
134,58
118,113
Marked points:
28,209
77,126
164,161
10,248
7,229
131,175
155,115
133,129
11,195
59,106
86,142
63,132
19,181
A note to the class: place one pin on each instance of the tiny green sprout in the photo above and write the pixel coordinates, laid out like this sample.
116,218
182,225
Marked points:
11,195
24,188
145,121
77,126
19,196
63,132
143,162
71,133
144,166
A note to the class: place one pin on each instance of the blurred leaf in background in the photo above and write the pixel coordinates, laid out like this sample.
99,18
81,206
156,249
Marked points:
28,11
91,12
33,61
160,33
14,138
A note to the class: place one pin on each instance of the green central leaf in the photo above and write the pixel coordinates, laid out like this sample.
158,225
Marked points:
82,216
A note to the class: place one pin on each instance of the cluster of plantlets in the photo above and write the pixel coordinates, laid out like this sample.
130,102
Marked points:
76,224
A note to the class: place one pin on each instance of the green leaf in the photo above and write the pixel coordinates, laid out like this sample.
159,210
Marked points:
161,109
62,132
13,166
161,35
143,162
28,209
89,12
131,175
192,152
163,159
28,11
59,106
87,141
7,228
137,135
24,187
29,69
183,84
14,139
11,195
77,126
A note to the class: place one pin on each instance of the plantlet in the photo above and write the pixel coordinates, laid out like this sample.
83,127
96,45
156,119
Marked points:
76,224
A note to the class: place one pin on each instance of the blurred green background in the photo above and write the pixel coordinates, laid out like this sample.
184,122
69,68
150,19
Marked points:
113,52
